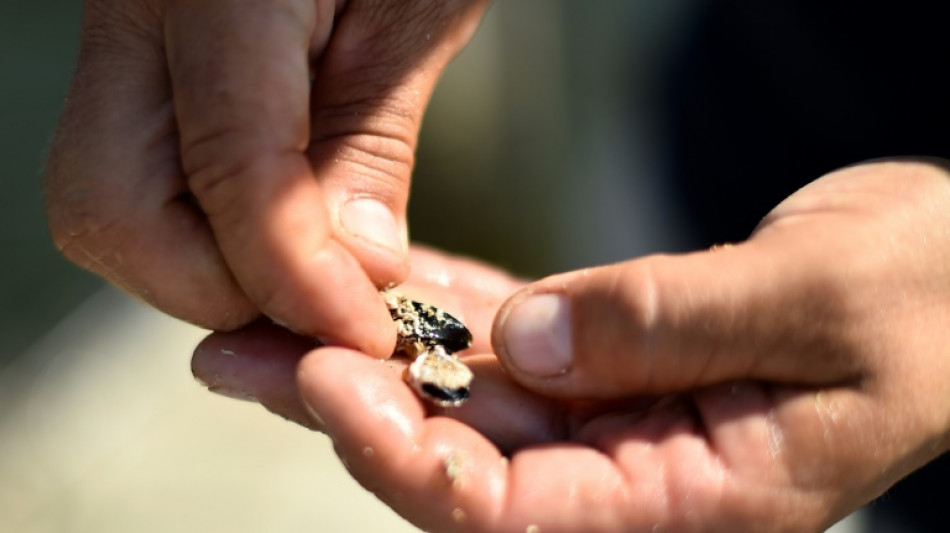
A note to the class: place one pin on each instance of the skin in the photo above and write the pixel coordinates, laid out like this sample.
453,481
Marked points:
205,162
227,159
774,385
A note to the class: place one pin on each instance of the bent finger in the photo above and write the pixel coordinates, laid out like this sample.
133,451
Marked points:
241,89
370,91
257,363
114,191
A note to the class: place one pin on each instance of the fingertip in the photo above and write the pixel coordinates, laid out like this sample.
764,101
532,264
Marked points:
368,217
328,296
349,392
533,334
365,241
280,246
256,363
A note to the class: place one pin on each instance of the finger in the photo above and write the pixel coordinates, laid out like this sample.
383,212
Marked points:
370,90
379,430
113,186
505,413
241,89
257,363
442,475
461,275
769,309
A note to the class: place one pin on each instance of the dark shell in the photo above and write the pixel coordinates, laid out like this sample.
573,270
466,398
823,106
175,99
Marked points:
436,327
442,394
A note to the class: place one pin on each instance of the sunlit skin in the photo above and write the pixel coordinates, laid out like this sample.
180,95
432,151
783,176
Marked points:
227,159
775,385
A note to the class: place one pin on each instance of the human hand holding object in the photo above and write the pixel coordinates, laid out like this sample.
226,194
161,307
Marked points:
777,384
223,159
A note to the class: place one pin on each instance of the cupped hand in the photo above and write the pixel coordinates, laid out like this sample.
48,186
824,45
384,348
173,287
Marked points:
226,158
773,385
259,362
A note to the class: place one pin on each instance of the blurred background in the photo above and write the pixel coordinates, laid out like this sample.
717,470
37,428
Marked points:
550,145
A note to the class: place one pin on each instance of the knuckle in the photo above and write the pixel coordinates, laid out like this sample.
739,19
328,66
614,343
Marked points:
380,112
223,307
635,293
223,166
375,137
383,165
618,322
91,241
111,26
82,225
278,301
87,217
211,161
421,25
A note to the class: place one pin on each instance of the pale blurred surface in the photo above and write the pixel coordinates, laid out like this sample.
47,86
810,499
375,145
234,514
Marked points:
103,429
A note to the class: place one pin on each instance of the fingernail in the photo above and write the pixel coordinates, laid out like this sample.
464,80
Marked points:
236,394
537,335
214,381
369,219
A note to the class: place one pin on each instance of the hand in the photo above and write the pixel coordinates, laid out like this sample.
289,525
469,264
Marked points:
259,362
777,384
220,159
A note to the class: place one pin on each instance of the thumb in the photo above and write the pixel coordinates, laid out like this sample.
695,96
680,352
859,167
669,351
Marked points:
369,92
663,324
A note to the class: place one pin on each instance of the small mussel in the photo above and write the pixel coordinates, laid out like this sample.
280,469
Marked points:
440,377
431,336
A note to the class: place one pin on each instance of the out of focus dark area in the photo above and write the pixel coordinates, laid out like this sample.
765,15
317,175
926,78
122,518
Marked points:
763,97
568,134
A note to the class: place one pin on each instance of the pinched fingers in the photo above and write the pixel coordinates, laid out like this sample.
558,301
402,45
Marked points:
257,363
303,164
120,204
221,159
240,73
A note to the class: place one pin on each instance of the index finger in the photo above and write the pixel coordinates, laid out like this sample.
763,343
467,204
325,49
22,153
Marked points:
240,77
443,475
